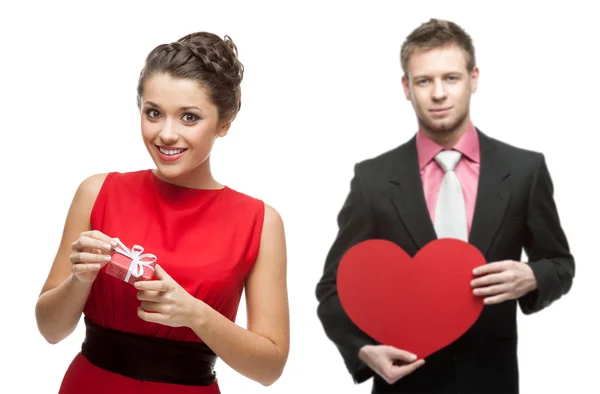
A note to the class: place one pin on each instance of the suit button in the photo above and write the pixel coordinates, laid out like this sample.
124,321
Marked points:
454,358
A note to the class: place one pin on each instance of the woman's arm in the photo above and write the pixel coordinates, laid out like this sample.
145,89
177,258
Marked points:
260,352
63,295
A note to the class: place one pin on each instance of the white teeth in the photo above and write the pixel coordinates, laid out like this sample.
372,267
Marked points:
170,152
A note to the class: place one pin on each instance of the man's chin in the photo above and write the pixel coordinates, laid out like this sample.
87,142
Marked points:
442,126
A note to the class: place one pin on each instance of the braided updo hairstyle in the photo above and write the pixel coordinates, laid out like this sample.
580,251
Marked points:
203,57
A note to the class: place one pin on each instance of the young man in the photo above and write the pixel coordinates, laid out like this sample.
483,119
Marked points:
451,180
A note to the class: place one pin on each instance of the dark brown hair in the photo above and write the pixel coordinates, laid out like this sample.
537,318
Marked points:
437,33
203,57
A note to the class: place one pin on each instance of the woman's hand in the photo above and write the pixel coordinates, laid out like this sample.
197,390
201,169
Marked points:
165,302
91,252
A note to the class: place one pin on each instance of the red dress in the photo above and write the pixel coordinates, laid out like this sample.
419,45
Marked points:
206,240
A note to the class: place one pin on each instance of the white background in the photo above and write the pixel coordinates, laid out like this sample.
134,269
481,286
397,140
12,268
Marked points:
321,91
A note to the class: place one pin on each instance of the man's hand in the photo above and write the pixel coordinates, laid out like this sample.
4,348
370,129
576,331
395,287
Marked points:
388,362
503,280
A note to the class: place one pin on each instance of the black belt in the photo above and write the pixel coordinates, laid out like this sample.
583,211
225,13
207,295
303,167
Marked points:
149,358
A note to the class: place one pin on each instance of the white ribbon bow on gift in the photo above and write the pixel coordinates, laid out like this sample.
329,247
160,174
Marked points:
136,268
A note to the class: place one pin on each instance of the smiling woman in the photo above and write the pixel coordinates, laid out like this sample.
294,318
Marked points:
211,243
189,93
180,136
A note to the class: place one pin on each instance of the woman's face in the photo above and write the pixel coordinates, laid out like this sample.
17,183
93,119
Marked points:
179,126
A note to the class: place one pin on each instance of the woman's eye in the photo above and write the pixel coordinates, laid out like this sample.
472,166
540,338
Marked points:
190,118
152,113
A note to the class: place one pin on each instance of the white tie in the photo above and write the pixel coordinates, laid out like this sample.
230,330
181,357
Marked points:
450,212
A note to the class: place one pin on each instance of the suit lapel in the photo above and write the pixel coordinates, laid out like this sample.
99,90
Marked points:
492,198
408,196
493,195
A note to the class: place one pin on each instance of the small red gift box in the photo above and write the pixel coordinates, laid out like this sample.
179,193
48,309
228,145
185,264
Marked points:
131,265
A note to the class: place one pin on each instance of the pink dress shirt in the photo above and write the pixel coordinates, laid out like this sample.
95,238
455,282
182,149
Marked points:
467,170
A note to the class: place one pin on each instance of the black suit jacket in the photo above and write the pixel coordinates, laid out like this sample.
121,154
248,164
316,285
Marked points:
514,210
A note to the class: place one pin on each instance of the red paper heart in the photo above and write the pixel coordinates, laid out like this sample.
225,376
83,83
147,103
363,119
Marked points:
419,305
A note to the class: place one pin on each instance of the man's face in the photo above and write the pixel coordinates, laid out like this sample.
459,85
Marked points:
440,87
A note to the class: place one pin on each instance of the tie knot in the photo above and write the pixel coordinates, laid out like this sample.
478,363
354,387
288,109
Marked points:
448,159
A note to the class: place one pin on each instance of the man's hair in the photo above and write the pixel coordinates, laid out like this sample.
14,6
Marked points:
437,33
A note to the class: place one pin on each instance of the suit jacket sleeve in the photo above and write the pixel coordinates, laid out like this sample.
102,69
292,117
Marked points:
546,245
355,225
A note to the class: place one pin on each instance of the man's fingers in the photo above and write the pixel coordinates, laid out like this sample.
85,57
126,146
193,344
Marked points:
410,368
400,355
491,290
490,279
393,373
497,299
491,268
